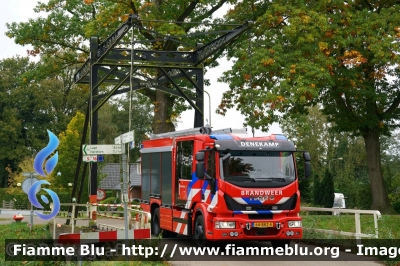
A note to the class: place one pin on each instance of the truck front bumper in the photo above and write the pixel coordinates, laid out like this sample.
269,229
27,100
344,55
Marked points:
245,229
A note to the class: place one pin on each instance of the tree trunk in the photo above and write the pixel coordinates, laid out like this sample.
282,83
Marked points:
162,108
380,199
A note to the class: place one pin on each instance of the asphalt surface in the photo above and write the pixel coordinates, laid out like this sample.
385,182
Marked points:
346,259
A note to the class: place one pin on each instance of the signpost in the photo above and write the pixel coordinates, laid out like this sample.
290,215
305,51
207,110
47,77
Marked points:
103,149
32,179
121,140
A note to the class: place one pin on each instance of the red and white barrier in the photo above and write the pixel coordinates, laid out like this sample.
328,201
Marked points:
107,236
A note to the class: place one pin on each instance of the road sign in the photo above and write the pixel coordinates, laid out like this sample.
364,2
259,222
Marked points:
103,149
127,137
90,158
28,182
101,194
100,158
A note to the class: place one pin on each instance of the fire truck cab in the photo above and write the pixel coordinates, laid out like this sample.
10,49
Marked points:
221,186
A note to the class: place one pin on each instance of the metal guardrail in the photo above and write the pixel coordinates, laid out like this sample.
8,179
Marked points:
377,215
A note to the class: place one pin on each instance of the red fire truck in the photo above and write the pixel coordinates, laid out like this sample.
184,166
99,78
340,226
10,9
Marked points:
221,186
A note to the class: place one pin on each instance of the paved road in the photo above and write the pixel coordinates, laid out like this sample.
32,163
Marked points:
347,259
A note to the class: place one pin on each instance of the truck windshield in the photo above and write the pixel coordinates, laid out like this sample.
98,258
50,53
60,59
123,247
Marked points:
257,168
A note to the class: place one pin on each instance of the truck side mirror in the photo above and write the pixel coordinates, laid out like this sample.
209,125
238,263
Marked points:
200,156
200,169
306,156
307,169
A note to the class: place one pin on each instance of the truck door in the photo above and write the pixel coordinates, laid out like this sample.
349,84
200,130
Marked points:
184,170
187,185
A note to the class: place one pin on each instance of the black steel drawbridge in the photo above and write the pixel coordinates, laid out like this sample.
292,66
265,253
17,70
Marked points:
127,69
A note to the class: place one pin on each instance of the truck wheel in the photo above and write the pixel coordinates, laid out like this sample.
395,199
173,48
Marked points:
199,235
155,222
280,243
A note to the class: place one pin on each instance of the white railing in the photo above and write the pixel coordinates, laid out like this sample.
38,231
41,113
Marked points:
72,217
377,215
106,227
140,221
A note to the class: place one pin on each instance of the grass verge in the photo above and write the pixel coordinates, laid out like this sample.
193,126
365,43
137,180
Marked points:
21,230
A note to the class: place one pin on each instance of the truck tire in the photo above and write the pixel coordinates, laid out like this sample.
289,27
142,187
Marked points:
155,222
199,235
280,243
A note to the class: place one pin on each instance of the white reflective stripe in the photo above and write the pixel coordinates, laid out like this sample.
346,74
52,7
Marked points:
206,194
282,200
178,228
192,193
185,230
240,200
213,202
121,234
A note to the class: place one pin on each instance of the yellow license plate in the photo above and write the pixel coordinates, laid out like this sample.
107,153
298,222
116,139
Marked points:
264,225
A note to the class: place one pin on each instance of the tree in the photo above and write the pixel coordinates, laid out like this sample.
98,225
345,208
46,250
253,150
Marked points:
31,104
310,132
63,32
114,120
341,54
68,150
15,177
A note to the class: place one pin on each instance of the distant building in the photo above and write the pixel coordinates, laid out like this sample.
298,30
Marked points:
113,178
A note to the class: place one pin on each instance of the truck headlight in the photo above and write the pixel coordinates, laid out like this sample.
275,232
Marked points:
227,225
292,224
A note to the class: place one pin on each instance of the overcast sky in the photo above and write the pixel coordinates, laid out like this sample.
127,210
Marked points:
22,10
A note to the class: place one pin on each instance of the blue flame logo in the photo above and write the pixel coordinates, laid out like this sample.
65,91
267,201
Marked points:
49,166
44,153
32,198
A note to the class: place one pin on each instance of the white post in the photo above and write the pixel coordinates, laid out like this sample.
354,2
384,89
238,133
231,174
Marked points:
73,217
125,192
358,227
376,225
54,228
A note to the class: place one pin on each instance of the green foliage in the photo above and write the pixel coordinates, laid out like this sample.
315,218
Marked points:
63,31
328,189
317,191
30,104
113,118
333,53
21,201
323,191
110,200
68,150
